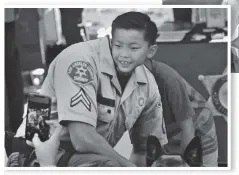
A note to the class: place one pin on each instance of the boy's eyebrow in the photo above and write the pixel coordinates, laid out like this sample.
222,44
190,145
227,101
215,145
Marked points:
134,43
129,43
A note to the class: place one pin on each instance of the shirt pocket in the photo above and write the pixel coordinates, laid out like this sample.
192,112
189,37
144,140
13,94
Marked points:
106,109
105,117
105,113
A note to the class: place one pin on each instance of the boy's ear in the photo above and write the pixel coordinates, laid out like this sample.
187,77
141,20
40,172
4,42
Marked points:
193,153
152,50
154,150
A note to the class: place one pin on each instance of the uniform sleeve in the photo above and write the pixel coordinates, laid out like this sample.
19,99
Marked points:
75,85
179,100
150,122
47,87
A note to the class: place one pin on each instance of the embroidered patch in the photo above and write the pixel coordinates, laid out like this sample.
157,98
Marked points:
81,72
141,101
81,97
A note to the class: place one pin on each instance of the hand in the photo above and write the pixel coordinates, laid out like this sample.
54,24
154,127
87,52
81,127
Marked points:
46,151
63,132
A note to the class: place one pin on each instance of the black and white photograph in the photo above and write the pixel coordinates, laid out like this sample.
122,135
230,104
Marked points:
128,87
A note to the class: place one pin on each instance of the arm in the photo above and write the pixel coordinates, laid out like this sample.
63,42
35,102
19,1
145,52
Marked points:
181,107
187,132
85,139
150,122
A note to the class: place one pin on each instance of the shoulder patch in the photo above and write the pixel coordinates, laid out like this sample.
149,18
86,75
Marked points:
81,72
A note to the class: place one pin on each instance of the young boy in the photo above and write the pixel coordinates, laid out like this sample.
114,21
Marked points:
185,113
102,90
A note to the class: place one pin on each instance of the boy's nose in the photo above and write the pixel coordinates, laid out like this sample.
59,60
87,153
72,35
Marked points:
124,53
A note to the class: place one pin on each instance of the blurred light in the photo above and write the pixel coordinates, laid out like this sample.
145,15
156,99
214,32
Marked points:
82,33
38,71
36,81
37,76
88,24
102,32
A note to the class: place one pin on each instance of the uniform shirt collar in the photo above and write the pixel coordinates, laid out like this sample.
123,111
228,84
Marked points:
140,74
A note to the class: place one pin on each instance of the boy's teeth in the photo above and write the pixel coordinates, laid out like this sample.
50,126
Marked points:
124,62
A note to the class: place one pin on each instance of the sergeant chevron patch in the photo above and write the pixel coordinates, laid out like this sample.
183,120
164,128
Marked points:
81,97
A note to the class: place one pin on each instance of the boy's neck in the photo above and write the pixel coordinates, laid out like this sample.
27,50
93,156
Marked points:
123,79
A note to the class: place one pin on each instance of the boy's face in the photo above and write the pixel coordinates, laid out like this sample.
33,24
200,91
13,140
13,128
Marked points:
129,49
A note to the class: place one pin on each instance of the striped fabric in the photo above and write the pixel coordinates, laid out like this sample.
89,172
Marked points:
203,121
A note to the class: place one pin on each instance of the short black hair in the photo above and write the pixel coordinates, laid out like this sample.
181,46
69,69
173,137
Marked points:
138,21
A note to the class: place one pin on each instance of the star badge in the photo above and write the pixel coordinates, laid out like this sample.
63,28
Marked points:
235,43
235,52
81,71
216,85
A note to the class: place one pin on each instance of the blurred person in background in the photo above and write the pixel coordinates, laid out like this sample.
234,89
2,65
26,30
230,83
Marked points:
14,97
70,18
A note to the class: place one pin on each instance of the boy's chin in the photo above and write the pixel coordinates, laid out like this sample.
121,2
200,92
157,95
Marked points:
124,72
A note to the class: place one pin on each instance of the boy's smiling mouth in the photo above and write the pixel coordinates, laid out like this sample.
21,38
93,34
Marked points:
125,62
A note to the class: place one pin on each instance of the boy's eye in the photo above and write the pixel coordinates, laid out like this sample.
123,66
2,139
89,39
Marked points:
117,45
134,48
